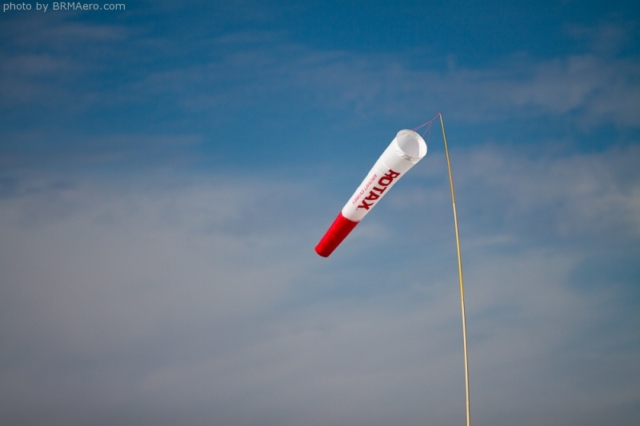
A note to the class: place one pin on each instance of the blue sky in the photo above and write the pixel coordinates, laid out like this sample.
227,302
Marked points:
167,169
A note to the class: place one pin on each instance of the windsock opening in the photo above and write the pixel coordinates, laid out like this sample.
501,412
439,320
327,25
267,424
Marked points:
412,145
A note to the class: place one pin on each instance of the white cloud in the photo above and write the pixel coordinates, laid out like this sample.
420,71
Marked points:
245,69
204,301
591,194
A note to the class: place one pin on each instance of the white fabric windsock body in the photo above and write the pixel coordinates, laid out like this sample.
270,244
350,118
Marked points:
404,151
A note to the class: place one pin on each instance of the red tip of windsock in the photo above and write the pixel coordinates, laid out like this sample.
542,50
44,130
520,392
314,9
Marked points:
337,232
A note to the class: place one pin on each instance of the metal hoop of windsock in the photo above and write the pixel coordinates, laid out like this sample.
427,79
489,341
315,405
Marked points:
404,152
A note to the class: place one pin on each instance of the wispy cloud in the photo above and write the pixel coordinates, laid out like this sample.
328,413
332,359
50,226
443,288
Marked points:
208,292
582,194
266,69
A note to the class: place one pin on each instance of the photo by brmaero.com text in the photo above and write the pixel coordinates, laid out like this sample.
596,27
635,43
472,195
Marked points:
62,6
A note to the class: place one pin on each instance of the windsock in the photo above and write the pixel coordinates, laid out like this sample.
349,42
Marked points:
404,151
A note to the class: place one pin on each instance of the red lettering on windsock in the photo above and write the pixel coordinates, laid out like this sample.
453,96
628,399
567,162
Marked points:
340,228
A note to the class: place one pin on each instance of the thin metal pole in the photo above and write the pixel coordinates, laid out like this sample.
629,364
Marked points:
464,316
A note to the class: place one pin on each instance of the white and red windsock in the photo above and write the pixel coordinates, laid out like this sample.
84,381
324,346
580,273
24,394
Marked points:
404,151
